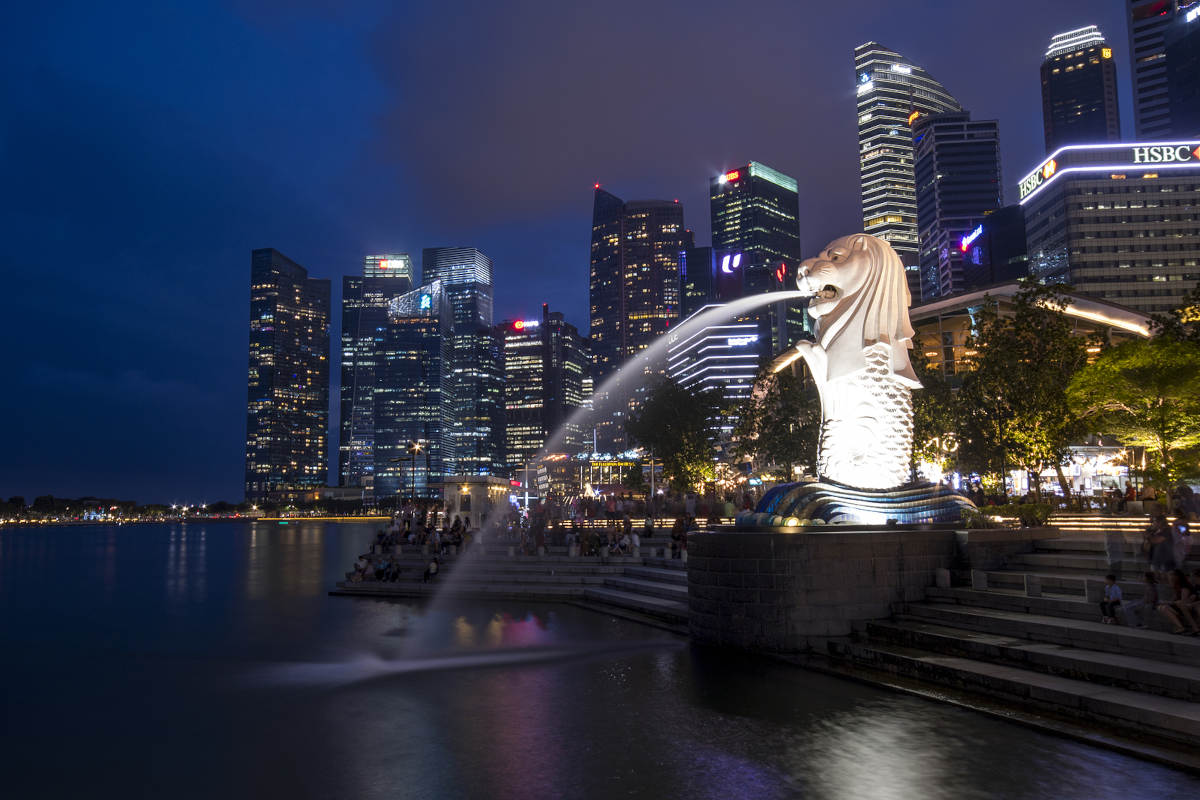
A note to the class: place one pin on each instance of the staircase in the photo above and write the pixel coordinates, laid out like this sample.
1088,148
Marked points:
1029,634
649,588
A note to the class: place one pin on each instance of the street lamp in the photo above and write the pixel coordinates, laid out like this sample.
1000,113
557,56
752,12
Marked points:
414,448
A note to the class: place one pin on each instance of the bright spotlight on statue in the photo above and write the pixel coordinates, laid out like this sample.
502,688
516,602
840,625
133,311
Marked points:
859,361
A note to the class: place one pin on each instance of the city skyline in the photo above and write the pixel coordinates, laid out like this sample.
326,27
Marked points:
173,375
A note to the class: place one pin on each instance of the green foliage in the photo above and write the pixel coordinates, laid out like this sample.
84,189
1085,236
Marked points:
780,423
1013,404
935,414
1146,393
678,426
1030,515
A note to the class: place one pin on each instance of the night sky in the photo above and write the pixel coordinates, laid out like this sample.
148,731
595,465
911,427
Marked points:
146,148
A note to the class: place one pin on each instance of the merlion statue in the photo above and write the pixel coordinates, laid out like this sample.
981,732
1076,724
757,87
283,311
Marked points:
860,362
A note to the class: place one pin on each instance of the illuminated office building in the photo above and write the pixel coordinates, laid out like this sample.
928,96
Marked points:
364,319
634,287
287,398
755,225
697,280
1117,221
475,368
892,93
722,356
546,363
1079,90
413,405
1181,45
634,293
958,184
1149,22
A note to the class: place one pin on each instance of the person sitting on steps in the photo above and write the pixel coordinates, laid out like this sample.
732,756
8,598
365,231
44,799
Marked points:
1111,601
1179,609
431,570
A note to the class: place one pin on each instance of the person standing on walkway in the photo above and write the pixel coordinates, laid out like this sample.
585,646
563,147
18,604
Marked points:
1181,536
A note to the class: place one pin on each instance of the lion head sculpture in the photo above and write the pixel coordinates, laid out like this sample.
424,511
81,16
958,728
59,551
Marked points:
859,298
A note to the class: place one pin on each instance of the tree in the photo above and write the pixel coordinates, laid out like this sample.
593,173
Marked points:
780,423
1013,404
678,426
935,415
1146,393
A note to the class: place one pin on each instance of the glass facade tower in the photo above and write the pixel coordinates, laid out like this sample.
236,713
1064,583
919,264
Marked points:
958,184
1149,21
475,369
755,215
892,93
287,399
364,320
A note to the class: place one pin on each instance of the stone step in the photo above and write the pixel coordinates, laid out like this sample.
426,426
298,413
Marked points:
1135,712
1063,583
667,591
1050,605
521,591
665,563
1111,669
1142,643
672,610
661,574
524,578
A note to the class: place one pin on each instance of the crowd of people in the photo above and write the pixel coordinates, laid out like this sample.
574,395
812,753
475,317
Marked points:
1167,589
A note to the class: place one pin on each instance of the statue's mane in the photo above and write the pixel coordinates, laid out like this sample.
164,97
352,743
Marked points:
876,313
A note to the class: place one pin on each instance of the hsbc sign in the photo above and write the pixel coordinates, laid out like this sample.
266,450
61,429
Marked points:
1165,154
1109,158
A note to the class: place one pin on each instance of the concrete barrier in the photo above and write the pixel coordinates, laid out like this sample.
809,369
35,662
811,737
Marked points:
791,592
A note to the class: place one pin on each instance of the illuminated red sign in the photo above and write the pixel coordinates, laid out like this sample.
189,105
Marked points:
732,175
781,272
524,324
519,325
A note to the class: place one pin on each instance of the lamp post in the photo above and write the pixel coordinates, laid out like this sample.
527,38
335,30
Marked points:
414,448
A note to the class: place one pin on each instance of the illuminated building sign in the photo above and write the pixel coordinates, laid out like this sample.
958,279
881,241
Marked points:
903,69
970,237
732,175
781,271
525,324
426,302
1113,159
913,116
742,341
1038,177
1106,52
728,265
1162,154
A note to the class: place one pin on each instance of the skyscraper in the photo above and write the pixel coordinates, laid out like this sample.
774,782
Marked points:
413,404
634,291
635,268
364,320
1149,21
958,184
1079,90
892,93
287,399
475,369
1182,49
545,364
697,280
755,220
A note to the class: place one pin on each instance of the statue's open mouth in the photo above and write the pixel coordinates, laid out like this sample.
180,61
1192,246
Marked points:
830,292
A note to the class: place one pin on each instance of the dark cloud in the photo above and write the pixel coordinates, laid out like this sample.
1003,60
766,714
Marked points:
147,148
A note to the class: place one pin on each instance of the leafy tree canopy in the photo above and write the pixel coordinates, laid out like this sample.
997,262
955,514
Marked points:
1146,393
780,423
680,426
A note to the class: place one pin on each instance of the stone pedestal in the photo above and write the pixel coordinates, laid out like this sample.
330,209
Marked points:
786,592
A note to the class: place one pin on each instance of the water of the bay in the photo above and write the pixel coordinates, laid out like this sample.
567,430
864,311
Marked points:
207,660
